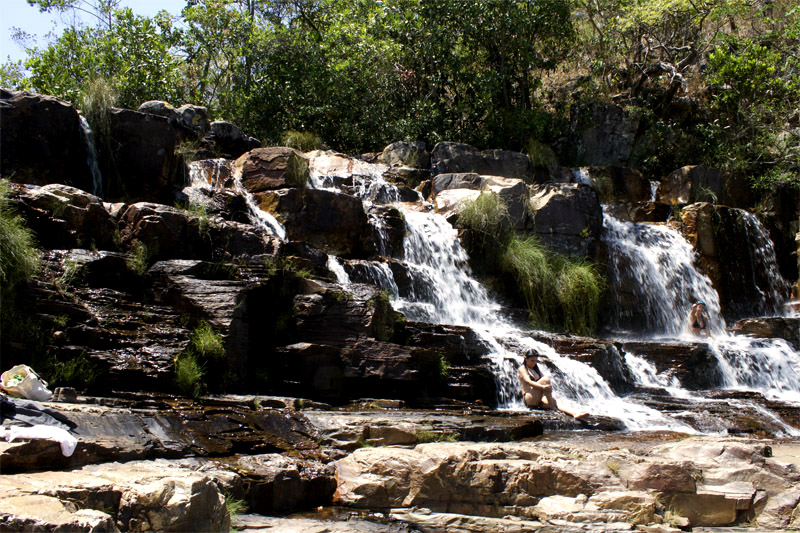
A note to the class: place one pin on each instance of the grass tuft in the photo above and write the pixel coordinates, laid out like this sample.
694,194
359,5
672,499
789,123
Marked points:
305,141
207,343
19,257
189,375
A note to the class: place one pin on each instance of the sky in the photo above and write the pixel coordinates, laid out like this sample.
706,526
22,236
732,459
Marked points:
17,13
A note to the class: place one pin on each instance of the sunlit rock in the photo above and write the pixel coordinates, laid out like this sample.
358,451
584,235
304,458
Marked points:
66,217
406,154
276,167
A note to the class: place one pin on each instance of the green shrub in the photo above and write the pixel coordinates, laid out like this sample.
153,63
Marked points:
79,372
487,222
19,257
305,141
139,258
540,154
189,375
529,263
207,343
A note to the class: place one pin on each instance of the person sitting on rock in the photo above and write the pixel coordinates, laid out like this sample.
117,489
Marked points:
536,389
698,319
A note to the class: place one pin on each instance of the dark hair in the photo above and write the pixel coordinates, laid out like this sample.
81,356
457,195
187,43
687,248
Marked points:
531,353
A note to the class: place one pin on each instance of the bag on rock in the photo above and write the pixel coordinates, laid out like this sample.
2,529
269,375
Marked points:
21,381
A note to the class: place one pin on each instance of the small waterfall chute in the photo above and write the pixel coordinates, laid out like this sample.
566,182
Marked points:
91,157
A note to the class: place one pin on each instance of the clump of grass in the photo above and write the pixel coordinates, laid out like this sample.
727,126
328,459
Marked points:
234,506
540,154
207,342
614,466
79,372
189,375
305,141
139,258
560,292
486,218
424,436
19,257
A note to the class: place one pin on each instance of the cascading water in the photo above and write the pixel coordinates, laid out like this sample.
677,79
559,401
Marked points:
91,157
653,281
209,174
661,285
773,288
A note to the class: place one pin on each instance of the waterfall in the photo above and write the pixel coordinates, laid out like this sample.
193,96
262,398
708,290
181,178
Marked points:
208,175
653,281
91,157
773,288
653,278
446,293
338,270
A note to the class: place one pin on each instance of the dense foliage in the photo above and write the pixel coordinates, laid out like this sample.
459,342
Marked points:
493,73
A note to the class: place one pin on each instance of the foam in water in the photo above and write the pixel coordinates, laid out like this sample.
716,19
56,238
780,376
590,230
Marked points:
653,279
91,157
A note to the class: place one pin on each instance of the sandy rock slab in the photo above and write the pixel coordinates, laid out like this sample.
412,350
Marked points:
694,482
136,496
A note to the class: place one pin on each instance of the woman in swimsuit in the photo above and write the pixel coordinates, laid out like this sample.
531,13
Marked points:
536,387
698,319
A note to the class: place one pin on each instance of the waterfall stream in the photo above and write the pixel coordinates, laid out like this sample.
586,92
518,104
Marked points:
653,271
91,157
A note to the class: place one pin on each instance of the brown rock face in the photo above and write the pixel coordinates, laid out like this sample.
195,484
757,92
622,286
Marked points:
66,217
277,167
335,223
42,141
171,233
567,217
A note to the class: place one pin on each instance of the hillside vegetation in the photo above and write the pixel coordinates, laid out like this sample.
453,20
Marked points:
715,81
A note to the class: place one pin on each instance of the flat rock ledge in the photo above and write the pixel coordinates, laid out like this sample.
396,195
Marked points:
697,481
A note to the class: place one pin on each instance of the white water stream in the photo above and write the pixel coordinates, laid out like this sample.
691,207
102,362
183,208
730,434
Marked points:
657,261
91,157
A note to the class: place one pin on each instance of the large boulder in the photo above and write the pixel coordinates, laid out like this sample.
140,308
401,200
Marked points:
172,233
140,496
334,222
227,140
600,134
450,157
406,154
42,141
693,183
566,217
450,191
192,117
276,167
139,160
66,217
736,253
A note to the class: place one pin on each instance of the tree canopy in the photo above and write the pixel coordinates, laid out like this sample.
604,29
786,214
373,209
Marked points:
492,73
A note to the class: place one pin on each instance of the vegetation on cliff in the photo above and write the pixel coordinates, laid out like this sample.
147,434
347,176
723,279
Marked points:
560,292
713,82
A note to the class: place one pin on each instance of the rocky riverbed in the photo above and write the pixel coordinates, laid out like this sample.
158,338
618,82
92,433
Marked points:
155,462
